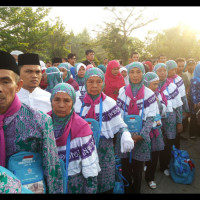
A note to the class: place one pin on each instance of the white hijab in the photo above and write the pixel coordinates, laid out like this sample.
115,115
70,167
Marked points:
126,79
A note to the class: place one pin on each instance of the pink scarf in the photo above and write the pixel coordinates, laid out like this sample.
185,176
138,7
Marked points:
171,80
77,126
162,90
133,108
87,99
113,83
14,107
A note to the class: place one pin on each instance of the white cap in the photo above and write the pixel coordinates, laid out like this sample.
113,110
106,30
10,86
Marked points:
16,52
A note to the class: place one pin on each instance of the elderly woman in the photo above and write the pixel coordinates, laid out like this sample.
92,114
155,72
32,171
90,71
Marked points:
82,158
80,69
136,99
113,79
67,77
172,124
151,81
52,76
96,105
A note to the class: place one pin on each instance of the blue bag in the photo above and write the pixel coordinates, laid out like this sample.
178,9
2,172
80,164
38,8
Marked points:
27,167
119,178
134,123
181,166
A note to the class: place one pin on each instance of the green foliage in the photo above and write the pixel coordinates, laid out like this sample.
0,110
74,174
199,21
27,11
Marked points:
21,28
25,29
175,42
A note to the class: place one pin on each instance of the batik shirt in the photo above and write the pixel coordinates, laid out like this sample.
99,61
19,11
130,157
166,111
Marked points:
173,112
194,92
31,130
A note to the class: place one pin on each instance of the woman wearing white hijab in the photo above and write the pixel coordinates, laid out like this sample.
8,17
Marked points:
124,73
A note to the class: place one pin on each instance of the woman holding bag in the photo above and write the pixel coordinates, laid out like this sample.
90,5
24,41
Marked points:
140,101
96,105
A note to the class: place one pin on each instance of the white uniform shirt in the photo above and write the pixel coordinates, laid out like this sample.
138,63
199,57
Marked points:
39,99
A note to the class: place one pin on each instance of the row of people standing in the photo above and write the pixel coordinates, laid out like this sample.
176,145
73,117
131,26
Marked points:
90,169
111,118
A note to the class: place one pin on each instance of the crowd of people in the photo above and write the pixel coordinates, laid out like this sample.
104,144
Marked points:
140,111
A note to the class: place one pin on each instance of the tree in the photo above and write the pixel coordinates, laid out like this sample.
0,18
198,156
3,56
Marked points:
179,41
125,21
24,29
58,41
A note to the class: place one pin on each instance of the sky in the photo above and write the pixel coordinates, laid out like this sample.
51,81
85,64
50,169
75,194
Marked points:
77,18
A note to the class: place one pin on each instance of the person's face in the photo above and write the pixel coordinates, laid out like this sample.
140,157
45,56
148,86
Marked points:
180,67
115,71
56,64
105,62
162,73
31,76
90,56
171,72
8,89
135,57
162,59
154,85
62,104
191,68
94,85
124,73
135,75
64,72
72,60
81,72
48,65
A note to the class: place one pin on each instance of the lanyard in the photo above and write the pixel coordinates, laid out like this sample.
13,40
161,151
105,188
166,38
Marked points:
67,157
100,119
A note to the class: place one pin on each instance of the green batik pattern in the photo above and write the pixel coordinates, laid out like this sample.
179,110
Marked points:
32,131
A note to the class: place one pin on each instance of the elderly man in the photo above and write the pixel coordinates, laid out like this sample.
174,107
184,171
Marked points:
24,129
31,74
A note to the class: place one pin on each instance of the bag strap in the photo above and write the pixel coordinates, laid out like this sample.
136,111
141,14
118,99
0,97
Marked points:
67,157
130,154
127,183
100,117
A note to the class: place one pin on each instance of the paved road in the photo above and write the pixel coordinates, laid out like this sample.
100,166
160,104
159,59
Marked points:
166,185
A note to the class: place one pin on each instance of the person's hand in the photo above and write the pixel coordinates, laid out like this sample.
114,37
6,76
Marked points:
127,143
179,128
137,138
